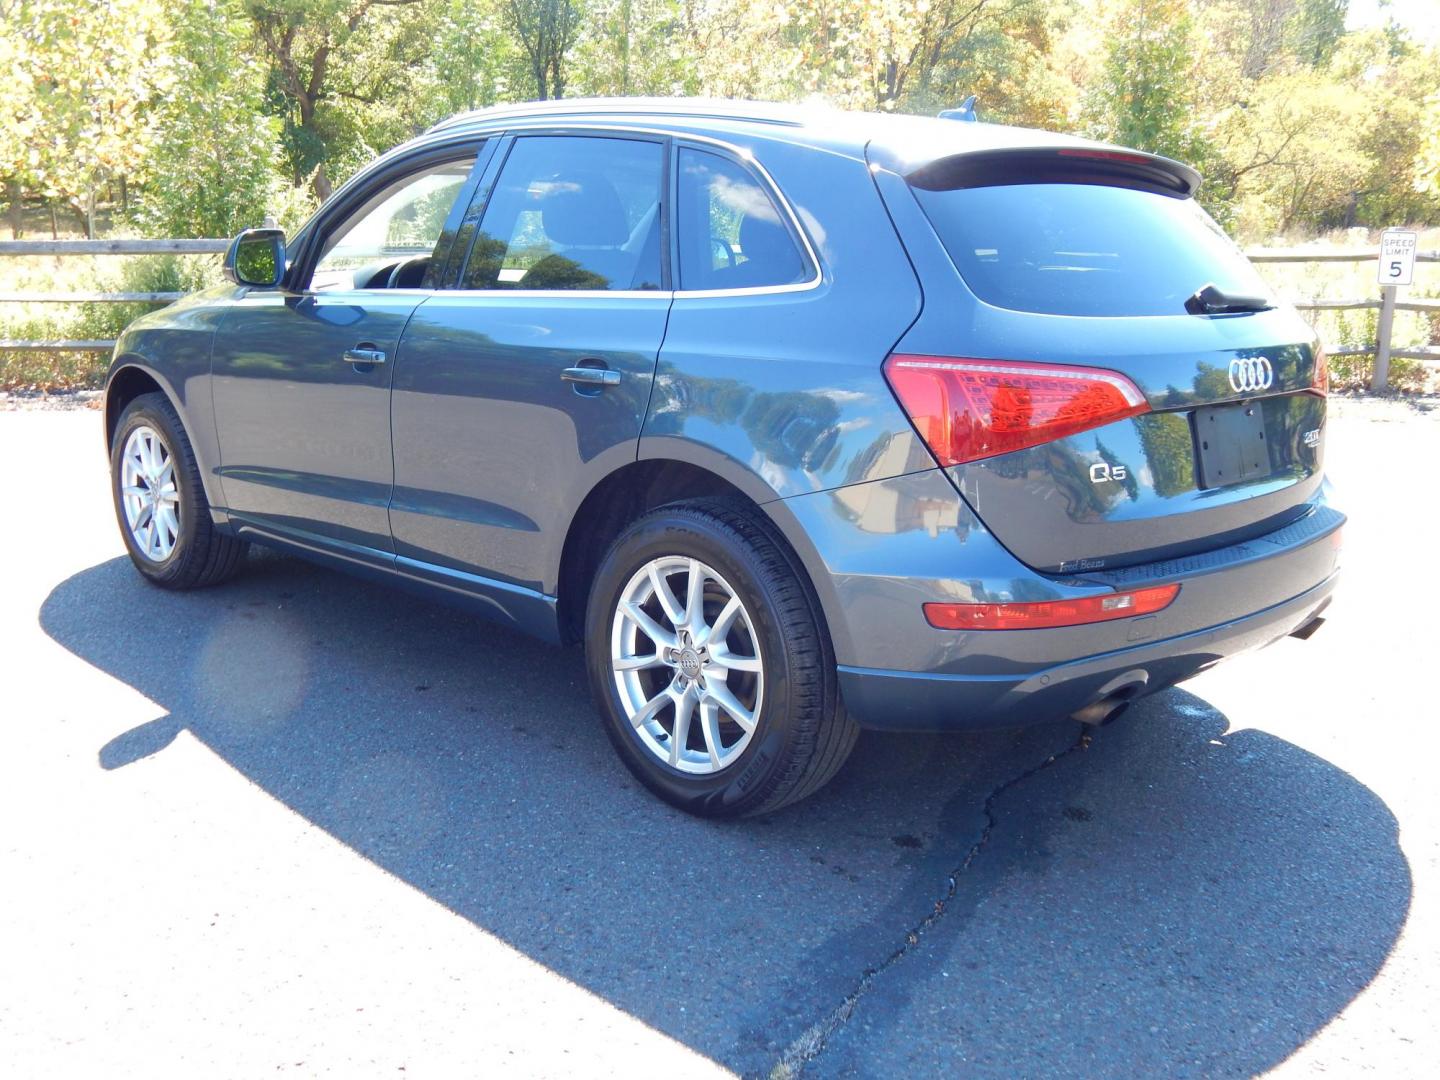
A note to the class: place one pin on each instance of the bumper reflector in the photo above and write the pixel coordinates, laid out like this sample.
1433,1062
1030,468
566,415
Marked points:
1051,613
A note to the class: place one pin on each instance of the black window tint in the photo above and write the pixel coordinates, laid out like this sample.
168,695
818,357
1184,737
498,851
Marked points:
571,213
731,233
1085,249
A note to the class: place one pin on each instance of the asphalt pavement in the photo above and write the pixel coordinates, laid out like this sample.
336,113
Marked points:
302,824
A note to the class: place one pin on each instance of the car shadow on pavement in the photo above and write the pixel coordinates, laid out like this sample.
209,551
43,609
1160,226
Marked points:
1163,897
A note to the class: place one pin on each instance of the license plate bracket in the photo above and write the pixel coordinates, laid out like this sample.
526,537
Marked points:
1230,446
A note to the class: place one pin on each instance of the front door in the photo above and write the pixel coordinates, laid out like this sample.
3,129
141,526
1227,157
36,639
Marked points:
520,387
302,374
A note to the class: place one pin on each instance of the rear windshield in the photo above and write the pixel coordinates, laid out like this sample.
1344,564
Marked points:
1085,249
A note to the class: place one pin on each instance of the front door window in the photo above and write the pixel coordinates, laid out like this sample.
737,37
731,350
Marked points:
389,240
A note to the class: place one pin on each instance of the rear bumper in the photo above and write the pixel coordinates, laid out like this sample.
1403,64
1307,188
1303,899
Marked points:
919,701
881,550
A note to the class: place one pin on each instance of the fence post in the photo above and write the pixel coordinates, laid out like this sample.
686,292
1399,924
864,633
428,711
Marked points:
1381,377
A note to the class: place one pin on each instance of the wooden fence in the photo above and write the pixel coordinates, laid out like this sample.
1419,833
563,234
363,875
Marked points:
1387,304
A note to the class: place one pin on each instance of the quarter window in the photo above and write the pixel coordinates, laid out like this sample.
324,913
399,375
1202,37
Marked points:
731,233
571,212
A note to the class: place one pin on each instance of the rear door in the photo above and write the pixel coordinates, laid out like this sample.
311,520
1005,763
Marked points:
302,373
1088,264
526,382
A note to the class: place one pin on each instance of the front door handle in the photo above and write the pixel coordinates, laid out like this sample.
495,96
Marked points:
591,376
364,353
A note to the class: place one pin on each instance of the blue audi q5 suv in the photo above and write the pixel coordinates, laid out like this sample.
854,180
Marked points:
800,421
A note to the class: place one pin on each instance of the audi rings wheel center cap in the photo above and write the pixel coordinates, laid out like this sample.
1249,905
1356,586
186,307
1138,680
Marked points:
690,663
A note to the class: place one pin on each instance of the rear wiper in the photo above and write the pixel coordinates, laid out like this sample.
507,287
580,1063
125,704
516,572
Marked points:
1210,300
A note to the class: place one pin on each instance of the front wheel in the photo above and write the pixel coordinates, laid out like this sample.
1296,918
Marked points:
711,665
160,503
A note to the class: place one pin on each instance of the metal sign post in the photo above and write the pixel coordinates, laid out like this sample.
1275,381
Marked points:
1397,267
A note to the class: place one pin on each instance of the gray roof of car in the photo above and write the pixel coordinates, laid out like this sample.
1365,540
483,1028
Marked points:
819,124
896,141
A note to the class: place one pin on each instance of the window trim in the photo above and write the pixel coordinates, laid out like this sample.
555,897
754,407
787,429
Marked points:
508,139
746,161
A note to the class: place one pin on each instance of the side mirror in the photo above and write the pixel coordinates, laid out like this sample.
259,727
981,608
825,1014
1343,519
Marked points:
256,257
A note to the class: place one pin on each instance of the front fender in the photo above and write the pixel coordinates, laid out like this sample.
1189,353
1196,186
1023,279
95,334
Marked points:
171,349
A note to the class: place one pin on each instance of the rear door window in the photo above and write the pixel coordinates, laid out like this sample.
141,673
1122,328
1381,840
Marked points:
572,212
1085,249
731,233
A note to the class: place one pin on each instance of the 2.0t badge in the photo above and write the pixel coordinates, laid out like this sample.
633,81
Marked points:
1251,373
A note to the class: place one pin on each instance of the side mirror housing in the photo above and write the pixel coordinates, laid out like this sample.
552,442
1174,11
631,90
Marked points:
256,257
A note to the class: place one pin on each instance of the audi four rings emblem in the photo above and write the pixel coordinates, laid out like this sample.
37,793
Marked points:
1251,373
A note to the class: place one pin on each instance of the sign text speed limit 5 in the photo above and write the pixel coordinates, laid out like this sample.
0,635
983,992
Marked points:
1397,256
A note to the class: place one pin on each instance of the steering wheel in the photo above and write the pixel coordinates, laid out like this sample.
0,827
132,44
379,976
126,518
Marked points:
718,244
393,281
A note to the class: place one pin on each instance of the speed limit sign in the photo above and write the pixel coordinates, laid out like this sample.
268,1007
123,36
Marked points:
1397,256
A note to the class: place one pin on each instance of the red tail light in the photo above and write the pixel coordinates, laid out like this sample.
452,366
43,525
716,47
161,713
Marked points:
1320,381
971,409
1050,613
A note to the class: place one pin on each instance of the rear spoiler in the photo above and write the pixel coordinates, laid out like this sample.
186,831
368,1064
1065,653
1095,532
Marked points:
1100,165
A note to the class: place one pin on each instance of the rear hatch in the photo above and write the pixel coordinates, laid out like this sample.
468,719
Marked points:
1095,403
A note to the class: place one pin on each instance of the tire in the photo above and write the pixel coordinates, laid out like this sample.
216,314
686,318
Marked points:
799,733
181,548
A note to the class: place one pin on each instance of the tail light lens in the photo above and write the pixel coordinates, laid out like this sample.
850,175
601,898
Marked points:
1320,382
1051,613
970,409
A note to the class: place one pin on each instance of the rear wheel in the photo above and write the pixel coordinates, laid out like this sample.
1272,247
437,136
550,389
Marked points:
160,503
710,664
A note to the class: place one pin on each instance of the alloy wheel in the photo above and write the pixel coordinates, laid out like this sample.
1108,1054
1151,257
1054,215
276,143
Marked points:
149,494
687,665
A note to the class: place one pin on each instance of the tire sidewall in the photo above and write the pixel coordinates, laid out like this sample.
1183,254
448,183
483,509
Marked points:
147,411
747,782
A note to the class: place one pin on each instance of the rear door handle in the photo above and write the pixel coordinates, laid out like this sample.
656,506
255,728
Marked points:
591,376
364,354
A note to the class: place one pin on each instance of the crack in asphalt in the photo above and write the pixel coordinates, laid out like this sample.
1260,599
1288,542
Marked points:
811,1043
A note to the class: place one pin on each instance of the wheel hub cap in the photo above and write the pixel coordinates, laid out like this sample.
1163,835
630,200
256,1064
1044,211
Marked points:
686,664
148,495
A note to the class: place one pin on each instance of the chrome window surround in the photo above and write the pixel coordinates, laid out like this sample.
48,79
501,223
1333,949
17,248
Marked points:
740,154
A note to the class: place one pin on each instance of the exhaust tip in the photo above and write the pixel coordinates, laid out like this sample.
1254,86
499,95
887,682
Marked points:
1113,702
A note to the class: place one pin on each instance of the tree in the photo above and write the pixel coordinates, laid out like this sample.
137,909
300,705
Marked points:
473,62
91,83
213,167
633,47
1143,94
301,40
547,30
17,103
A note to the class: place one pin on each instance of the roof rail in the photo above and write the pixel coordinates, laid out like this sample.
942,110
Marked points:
755,112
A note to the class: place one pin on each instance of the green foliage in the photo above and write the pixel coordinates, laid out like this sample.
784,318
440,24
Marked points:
83,94
1143,96
212,171
218,111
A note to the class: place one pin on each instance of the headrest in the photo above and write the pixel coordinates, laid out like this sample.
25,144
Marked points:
583,209
767,244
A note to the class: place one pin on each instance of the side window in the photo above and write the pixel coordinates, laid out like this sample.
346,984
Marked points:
571,212
389,240
730,230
